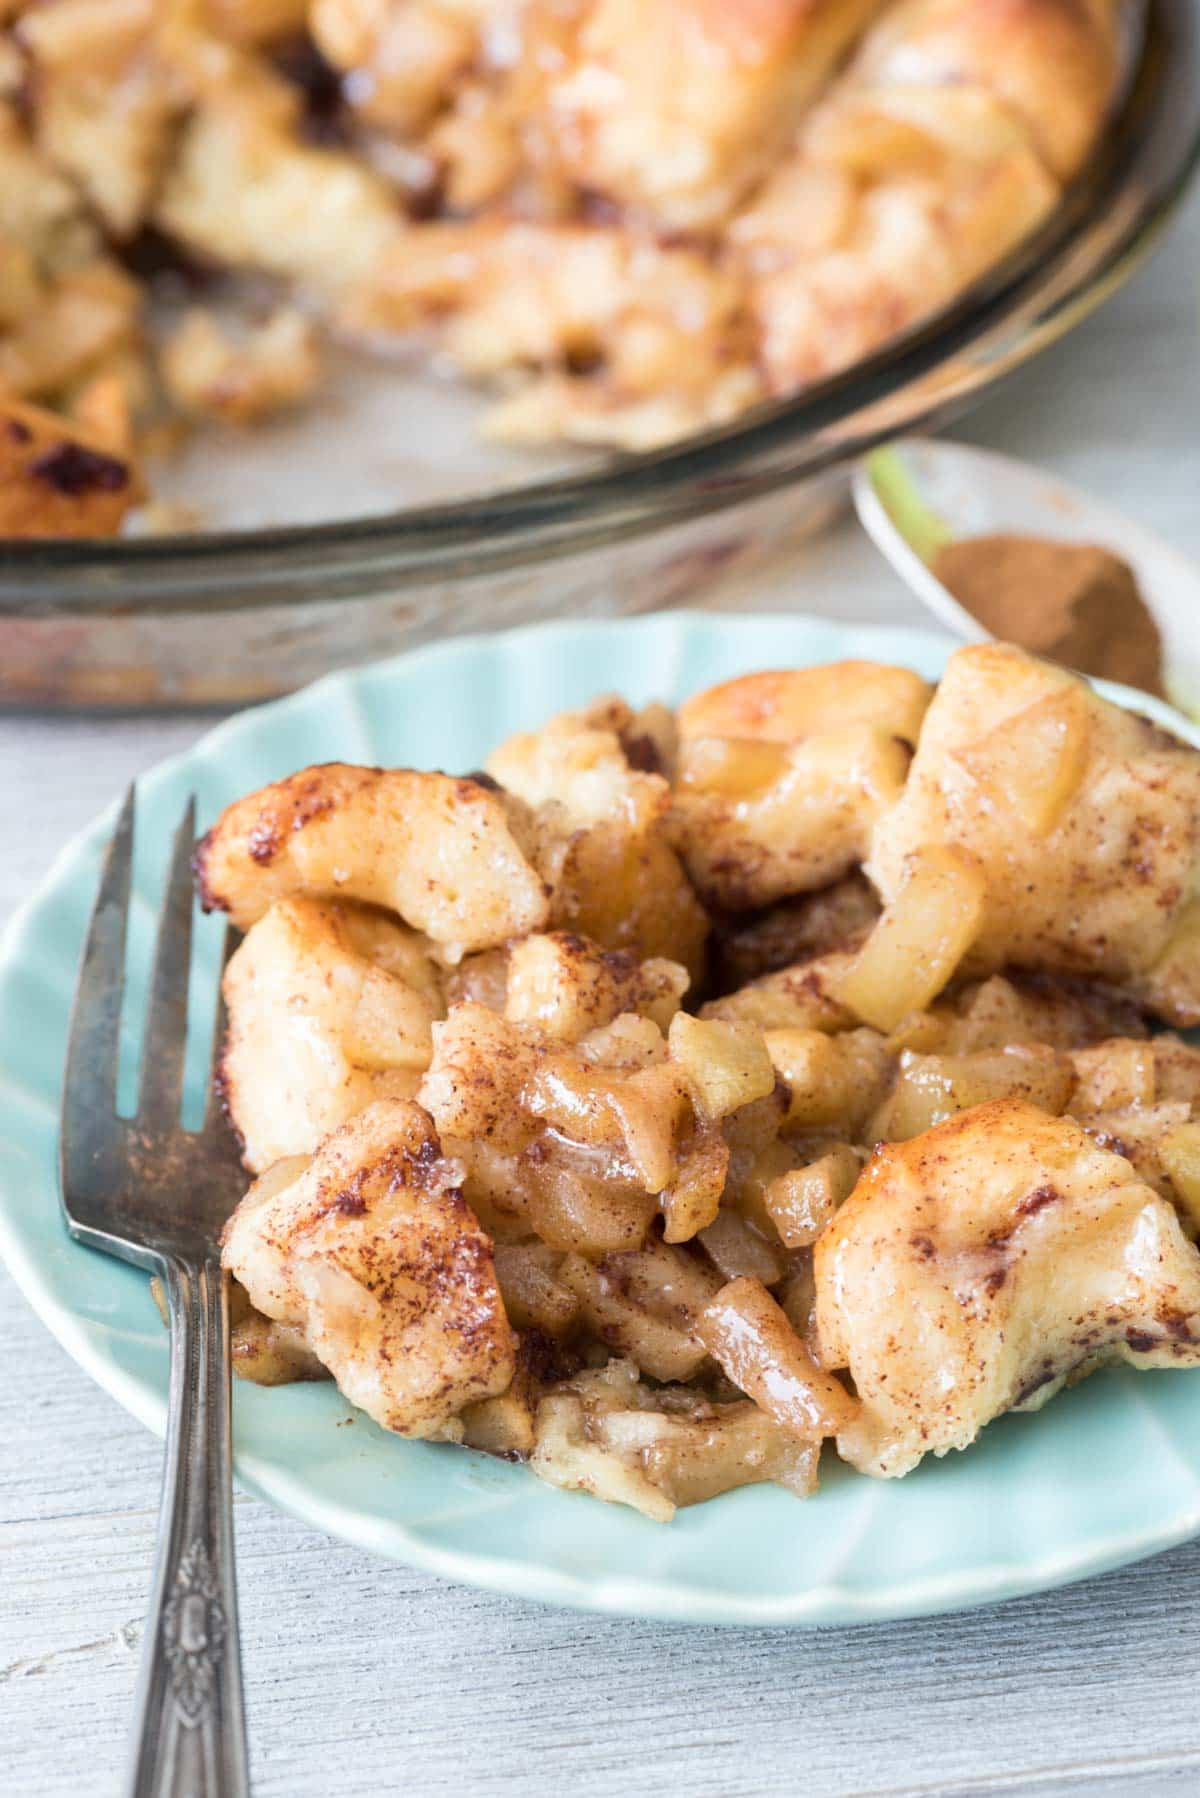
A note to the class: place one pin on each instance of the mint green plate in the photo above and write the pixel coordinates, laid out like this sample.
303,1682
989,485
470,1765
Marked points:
1105,1474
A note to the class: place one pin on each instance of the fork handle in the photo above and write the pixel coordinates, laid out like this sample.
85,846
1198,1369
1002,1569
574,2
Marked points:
189,1721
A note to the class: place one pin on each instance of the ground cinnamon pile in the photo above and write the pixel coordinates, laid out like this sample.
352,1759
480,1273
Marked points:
1070,602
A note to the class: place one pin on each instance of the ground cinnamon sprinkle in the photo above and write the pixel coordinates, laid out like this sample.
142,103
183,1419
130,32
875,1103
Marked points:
1071,602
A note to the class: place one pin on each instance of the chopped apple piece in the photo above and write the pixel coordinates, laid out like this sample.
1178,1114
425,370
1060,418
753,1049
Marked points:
797,1297
931,1088
564,1455
503,1425
533,1298
564,985
831,1080
1112,1075
736,1445
920,939
736,1247
750,1337
665,1348
796,998
802,1202
691,1202
1034,761
726,1062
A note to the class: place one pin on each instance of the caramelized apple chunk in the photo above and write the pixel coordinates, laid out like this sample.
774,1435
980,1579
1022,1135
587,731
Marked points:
929,924
928,1089
992,1013
657,1448
758,1349
832,1082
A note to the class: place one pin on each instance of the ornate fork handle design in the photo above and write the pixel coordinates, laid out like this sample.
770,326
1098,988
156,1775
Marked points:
190,1727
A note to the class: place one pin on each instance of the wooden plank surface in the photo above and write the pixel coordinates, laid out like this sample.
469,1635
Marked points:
364,1678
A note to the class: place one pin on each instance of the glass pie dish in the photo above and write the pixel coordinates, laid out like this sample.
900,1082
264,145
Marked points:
234,616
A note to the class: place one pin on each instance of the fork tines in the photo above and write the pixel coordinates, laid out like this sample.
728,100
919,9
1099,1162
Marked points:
139,1184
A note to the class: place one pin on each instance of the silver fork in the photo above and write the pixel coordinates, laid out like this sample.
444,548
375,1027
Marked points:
147,1190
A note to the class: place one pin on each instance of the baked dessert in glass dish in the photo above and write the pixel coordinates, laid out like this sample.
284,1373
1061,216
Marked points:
626,223
687,1090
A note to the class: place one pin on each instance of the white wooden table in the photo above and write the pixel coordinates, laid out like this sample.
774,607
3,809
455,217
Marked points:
364,1678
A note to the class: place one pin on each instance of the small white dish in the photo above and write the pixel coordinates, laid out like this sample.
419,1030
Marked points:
917,494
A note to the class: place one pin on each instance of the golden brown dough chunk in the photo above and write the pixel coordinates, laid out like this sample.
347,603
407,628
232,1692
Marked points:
1085,821
403,59
944,145
758,822
330,1007
63,305
56,481
244,189
240,377
1053,62
104,102
372,1251
634,219
595,764
672,108
438,851
788,705
976,1267
782,776
256,21
64,328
